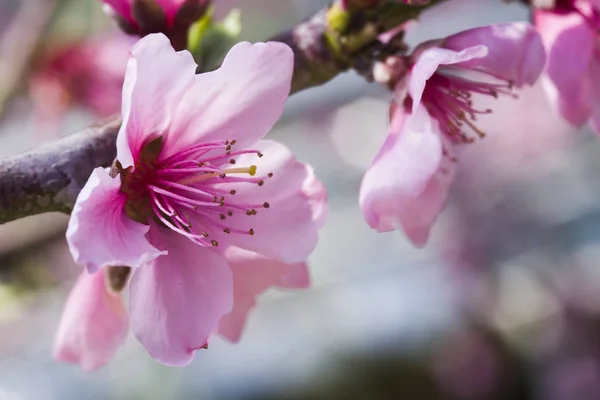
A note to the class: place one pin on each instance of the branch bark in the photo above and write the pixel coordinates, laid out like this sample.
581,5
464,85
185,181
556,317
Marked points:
50,177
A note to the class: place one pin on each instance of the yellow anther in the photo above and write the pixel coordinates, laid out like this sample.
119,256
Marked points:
251,170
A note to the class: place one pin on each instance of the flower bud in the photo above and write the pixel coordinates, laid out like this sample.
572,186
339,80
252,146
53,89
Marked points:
171,17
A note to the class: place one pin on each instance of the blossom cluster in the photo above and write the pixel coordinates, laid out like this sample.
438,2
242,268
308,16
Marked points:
201,214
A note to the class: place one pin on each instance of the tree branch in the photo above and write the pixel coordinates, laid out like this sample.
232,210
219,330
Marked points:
50,177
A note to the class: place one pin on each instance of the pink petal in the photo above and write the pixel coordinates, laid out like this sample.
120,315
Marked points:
156,79
232,325
515,51
99,233
93,324
570,43
252,275
316,193
242,100
177,300
405,182
297,276
287,230
428,63
420,213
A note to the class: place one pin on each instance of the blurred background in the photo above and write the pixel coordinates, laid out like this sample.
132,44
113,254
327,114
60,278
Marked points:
503,304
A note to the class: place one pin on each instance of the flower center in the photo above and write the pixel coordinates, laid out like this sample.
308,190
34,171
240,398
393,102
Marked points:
448,98
196,192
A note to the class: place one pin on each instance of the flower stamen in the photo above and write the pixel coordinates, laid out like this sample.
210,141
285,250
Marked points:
182,191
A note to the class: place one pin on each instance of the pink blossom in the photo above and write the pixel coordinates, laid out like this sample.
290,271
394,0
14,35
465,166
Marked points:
93,325
570,34
193,177
408,181
88,73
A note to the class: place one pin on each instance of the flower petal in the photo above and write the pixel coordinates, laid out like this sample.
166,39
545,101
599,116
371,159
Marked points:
570,43
403,174
516,52
287,229
297,276
156,79
177,300
242,100
429,61
93,324
420,213
252,275
232,325
99,233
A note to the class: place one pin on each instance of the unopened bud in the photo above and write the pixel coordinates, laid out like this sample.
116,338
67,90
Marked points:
390,71
171,17
190,11
149,16
382,73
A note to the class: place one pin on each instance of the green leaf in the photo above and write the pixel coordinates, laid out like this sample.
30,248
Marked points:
209,41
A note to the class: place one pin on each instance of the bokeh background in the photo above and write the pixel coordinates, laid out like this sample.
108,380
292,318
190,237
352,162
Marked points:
503,303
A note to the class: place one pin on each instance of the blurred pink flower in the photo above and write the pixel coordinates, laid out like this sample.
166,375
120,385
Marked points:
408,181
89,73
93,325
570,34
186,187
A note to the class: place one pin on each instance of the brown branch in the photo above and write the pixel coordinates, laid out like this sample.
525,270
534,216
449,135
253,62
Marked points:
50,177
